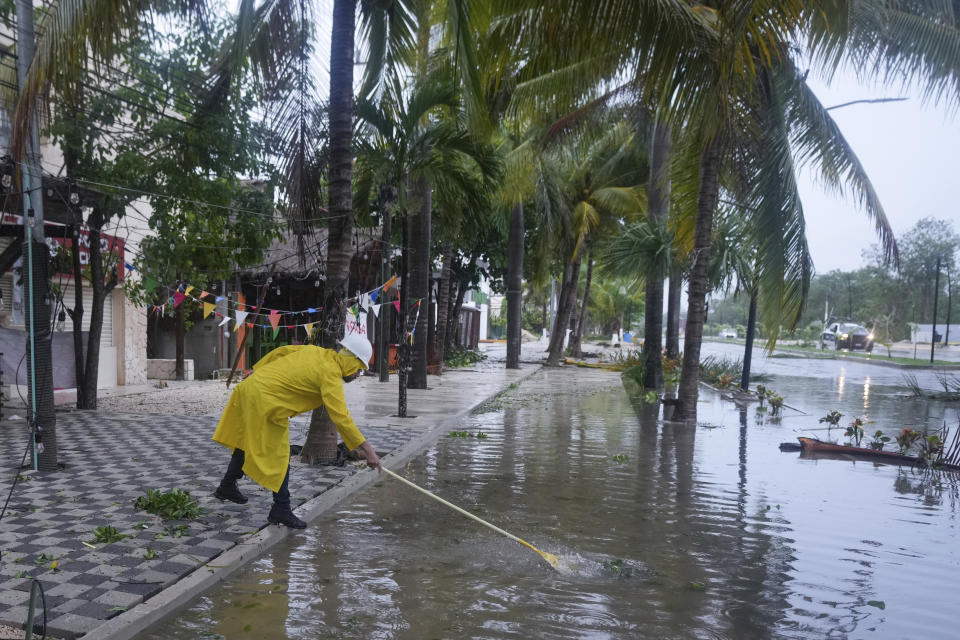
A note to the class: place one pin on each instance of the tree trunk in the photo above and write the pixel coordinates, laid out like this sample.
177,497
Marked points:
180,331
100,292
321,444
687,390
576,349
568,301
443,300
674,294
76,317
463,283
748,348
514,287
658,197
420,285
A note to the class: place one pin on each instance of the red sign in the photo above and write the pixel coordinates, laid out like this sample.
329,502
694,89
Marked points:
108,245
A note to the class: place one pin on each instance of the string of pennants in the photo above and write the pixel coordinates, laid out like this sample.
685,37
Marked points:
242,312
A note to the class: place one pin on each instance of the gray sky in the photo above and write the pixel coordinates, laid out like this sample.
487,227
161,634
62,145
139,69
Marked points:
910,153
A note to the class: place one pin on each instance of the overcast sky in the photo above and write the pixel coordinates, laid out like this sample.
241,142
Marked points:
910,153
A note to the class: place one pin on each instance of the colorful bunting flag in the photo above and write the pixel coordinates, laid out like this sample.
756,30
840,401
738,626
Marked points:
189,289
204,294
241,316
177,299
374,294
220,298
150,284
309,328
389,283
208,307
376,310
225,320
275,321
396,305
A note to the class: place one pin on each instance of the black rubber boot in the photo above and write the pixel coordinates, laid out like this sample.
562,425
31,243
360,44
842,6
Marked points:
286,518
230,492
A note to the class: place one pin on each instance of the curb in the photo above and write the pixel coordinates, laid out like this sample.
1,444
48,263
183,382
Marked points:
142,616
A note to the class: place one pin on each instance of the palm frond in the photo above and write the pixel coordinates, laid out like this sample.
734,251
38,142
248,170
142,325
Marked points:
388,33
639,248
818,141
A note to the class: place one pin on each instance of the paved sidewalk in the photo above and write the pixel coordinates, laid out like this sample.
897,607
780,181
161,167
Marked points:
113,456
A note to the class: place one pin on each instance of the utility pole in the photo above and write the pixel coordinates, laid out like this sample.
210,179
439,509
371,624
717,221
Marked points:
37,316
936,295
946,339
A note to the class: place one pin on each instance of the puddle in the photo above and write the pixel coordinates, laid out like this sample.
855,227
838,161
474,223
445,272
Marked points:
662,530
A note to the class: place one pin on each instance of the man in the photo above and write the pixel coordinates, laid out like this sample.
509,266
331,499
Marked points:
285,382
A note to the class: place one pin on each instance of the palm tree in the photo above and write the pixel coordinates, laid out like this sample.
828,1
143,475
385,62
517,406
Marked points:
592,178
718,48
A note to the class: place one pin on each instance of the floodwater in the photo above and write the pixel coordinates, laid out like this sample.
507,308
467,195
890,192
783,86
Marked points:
665,530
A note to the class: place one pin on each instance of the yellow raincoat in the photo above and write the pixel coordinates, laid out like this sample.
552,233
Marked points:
285,382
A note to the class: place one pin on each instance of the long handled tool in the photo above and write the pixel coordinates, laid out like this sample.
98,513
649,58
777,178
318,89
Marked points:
549,558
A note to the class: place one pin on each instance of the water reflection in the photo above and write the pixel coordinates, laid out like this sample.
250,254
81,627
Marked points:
681,531
866,394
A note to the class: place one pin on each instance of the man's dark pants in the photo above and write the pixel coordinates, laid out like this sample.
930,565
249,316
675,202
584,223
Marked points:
281,498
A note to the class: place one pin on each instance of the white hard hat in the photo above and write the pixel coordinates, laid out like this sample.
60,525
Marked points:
358,346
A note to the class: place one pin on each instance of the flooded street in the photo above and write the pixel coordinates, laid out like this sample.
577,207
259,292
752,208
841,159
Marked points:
668,530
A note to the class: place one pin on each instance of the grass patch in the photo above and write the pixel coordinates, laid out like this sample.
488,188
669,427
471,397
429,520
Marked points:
923,362
175,504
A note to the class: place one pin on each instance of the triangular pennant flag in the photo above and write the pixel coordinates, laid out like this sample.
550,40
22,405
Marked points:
396,305
376,310
374,294
204,294
220,298
150,284
389,283
128,266
355,311
241,316
208,307
309,328
249,325
225,320
417,303
178,298
311,310
189,289
274,321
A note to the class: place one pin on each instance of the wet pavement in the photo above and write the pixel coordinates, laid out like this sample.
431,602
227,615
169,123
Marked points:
664,529
112,457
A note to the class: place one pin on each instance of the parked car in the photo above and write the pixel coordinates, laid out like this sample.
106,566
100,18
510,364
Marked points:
728,333
846,335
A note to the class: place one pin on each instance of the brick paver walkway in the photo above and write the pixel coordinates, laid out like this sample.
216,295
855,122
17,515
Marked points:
113,458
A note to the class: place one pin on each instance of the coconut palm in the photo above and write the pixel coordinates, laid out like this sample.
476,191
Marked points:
589,179
721,47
